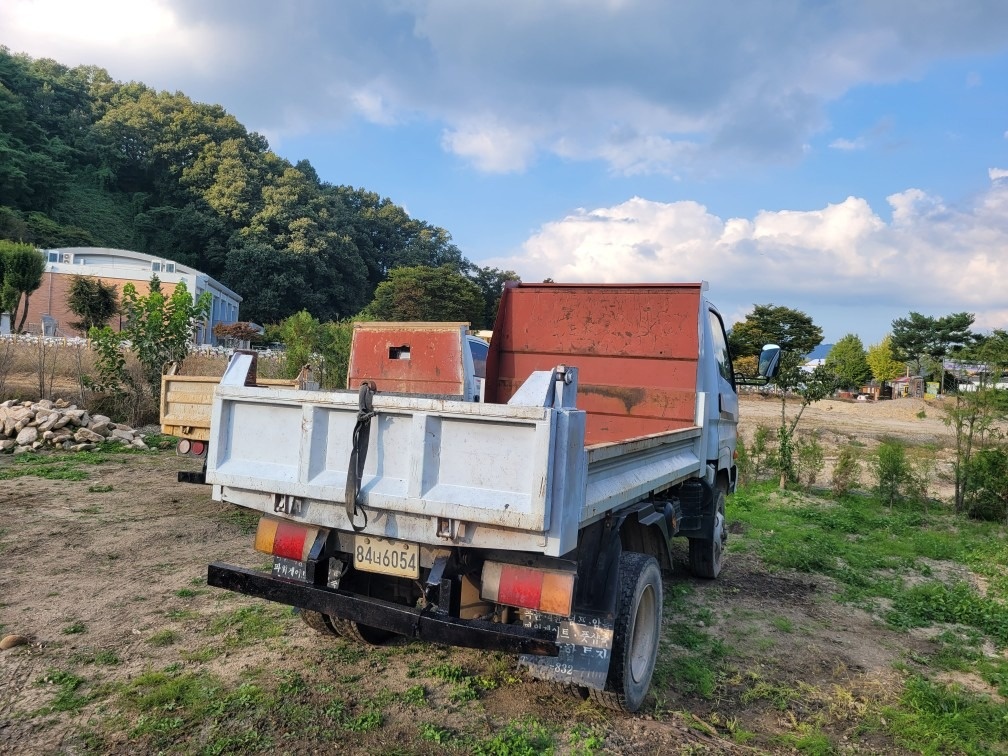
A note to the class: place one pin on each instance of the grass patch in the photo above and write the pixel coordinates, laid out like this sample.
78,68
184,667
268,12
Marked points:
250,624
67,697
163,638
99,489
75,628
242,520
938,718
523,737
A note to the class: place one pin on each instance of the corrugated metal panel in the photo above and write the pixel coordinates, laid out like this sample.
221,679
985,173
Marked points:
635,346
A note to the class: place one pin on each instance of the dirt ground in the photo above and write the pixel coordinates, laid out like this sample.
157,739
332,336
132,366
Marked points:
107,565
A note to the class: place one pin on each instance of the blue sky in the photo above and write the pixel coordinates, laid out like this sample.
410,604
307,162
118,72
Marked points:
849,159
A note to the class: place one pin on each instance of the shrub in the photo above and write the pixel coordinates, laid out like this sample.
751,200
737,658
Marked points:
987,496
892,472
846,472
809,460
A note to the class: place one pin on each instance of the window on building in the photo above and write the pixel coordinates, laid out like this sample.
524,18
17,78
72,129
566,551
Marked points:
155,267
169,267
54,257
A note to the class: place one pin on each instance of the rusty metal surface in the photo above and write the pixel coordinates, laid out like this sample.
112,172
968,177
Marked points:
435,364
636,347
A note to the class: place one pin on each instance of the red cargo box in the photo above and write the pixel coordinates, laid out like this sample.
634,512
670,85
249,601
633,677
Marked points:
635,347
409,358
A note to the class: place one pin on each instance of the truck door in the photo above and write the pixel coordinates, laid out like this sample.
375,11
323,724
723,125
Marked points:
728,404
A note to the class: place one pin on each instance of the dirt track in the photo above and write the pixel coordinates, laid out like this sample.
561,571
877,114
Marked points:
113,568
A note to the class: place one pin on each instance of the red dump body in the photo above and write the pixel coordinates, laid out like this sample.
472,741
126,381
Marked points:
635,346
409,358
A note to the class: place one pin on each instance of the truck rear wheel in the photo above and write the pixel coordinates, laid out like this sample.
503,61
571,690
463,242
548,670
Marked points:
353,631
706,555
636,633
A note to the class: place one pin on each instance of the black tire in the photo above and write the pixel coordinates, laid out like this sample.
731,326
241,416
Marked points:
320,623
635,635
706,555
352,631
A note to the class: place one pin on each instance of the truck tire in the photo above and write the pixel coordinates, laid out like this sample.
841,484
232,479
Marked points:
352,631
706,555
635,635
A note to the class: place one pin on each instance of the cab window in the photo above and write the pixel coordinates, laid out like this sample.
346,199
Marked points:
479,350
719,346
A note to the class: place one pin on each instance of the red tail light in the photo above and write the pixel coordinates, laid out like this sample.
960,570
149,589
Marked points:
550,591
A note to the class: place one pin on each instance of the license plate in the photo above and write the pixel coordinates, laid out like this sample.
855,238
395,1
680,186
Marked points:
289,569
387,557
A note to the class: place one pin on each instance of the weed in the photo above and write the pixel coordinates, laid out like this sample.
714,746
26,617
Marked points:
779,695
99,489
946,719
250,624
67,698
75,628
925,604
585,740
188,593
524,737
433,733
104,658
448,672
162,638
242,520
369,720
783,624
415,695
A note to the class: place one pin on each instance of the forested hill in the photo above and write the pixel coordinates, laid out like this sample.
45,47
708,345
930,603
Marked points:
88,161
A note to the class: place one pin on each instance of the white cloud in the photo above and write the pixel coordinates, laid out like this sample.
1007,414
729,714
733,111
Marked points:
997,173
492,147
848,145
843,259
664,88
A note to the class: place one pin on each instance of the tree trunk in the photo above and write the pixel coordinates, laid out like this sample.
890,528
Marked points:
24,315
14,316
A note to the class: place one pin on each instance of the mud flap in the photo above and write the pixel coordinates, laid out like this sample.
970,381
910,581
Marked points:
585,642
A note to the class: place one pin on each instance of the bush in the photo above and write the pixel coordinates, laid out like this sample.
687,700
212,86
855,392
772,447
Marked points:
756,460
892,472
809,460
846,472
987,496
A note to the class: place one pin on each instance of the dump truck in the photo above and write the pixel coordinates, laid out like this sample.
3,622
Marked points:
538,521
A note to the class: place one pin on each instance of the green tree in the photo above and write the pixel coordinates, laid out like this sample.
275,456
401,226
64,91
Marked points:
93,301
924,341
848,363
423,293
797,335
883,363
491,283
159,328
23,267
792,330
974,415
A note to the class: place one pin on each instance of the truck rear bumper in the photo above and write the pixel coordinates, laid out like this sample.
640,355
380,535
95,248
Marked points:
404,620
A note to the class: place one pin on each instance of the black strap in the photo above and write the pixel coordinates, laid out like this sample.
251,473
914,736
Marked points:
358,455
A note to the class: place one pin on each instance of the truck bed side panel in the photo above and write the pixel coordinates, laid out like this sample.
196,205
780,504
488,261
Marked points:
426,457
635,347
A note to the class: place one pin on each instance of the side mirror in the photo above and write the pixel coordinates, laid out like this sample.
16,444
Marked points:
769,361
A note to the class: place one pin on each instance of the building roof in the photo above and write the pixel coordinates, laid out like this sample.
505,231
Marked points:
140,261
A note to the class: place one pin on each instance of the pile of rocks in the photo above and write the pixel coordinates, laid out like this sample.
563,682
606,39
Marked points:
30,426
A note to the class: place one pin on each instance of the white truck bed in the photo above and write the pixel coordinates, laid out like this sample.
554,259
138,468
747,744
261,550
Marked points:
438,472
